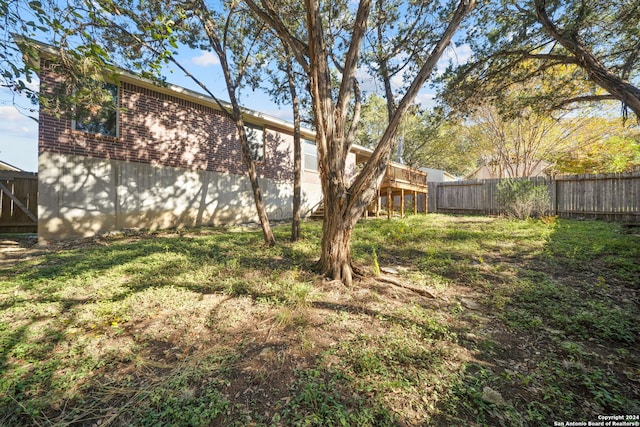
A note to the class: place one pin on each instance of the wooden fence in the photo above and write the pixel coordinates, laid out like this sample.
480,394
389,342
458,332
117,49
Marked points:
613,197
18,202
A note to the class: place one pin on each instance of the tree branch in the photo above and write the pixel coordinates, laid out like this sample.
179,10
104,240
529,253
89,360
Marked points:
272,18
631,60
361,189
628,94
585,98
351,60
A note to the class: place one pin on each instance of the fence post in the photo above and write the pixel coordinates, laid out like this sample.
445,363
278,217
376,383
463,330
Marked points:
553,195
486,198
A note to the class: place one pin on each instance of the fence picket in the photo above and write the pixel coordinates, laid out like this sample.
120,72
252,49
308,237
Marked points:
18,202
609,196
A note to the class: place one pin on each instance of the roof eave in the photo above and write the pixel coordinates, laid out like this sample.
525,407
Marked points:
250,116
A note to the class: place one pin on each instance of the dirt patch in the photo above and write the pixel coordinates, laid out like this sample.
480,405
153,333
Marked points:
18,248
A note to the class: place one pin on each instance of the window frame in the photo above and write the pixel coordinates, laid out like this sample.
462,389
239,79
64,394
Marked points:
256,140
92,119
309,143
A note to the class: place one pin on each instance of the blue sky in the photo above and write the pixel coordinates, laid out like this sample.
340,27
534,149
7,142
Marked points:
19,133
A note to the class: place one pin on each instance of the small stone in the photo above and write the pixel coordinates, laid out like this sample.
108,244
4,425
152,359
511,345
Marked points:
471,337
389,270
267,353
471,305
489,395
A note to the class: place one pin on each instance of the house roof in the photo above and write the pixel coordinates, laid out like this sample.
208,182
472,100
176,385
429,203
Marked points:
40,49
4,166
251,116
439,174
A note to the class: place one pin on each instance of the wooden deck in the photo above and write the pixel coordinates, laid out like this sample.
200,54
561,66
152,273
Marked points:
402,188
401,182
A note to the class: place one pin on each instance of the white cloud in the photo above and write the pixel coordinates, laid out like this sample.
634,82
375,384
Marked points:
206,59
19,142
457,55
12,122
426,100
34,85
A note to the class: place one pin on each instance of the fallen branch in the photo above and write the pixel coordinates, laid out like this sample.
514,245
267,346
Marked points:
418,290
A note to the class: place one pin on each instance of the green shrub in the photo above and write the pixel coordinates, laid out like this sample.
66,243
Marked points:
522,198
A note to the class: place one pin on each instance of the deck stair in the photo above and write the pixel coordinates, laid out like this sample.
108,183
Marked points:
318,213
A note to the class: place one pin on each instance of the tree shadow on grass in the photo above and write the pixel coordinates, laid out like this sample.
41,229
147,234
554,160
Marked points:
114,322
145,349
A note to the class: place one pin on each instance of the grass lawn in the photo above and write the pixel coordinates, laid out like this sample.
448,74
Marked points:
532,323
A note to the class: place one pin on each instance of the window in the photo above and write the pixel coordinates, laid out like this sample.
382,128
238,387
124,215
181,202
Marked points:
310,155
100,116
255,137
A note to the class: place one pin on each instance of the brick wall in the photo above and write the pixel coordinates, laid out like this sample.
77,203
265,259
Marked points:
165,130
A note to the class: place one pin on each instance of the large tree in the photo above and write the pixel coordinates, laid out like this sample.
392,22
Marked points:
523,145
328,46
596,44
331,62
428,138
613,148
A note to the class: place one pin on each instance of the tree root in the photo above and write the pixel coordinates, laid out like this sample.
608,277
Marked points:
395,282
359,271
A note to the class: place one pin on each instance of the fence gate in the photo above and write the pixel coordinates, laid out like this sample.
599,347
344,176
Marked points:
18,202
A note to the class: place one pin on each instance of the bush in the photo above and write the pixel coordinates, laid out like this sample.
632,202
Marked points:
522,198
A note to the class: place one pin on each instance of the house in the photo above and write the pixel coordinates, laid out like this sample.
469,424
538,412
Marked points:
4,166
161,157
439,175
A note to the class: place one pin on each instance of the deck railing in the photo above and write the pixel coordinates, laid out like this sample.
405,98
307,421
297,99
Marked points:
405,175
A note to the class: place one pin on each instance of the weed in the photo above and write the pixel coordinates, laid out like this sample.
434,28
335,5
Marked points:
322,399
188,396
376,265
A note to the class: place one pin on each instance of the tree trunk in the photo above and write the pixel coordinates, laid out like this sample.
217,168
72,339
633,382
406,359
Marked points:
210,29
335,259
344,204
297,156
267,233
383,63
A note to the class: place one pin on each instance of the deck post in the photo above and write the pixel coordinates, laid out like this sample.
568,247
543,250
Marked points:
426,202
402,203
389,203
415,202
